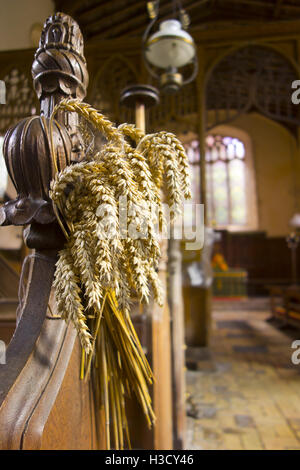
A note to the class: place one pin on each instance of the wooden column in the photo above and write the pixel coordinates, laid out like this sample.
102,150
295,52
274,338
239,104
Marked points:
198,299
202,126
175,299
140,116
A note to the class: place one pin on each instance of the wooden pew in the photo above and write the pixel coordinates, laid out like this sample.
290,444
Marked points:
285,304
43,402
9,282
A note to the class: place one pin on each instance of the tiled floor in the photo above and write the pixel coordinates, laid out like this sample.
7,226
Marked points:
244,391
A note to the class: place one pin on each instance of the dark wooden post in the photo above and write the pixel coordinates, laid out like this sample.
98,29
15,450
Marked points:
41,374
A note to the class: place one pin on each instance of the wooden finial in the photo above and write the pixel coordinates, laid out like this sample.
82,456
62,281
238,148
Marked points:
32,157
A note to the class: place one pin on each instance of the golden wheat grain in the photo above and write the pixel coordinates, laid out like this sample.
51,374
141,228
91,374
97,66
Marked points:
98,276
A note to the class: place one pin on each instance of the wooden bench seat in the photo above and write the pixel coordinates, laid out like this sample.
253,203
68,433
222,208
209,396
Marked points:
285,304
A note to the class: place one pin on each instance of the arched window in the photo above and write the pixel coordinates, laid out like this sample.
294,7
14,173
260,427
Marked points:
228,203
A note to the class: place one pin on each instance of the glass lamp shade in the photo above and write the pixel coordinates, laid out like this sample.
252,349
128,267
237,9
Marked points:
170,47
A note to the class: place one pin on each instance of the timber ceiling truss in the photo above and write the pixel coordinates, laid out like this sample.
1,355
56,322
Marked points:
108,19
253,78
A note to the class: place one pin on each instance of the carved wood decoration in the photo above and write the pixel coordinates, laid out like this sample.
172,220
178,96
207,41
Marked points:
114,75
38,369
177,110
253,78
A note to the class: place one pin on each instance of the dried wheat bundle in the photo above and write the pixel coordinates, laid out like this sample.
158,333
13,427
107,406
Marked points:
102,264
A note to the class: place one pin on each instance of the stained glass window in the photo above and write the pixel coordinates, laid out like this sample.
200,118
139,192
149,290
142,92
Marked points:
225,179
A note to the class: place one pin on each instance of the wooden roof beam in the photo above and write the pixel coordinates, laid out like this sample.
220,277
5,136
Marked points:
209,37
123,27
98,8
261,3
277,8
201,17
114,17
67,6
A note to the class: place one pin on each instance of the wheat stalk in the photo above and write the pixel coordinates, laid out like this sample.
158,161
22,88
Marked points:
96,277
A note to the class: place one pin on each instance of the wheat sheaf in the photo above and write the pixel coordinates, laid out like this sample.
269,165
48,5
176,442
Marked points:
97,276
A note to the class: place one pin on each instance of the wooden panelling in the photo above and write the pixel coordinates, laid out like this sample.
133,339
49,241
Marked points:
266,259
197,307
73,404
7,328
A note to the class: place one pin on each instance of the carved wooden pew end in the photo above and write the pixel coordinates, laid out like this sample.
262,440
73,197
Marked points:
43,404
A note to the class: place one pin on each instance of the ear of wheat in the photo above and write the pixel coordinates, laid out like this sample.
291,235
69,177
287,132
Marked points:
96,276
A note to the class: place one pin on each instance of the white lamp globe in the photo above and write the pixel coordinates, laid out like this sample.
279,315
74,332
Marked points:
170,47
